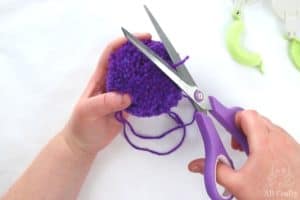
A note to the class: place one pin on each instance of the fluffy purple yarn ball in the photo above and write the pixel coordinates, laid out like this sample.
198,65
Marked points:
129,71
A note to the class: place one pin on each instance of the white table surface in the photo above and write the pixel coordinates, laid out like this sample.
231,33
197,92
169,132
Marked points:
48,50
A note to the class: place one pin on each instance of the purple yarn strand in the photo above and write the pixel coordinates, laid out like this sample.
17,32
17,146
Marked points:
173,115
175,65
153,151
120,118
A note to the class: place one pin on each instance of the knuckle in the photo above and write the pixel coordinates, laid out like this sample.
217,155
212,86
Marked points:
280,129
251,113
106,104
109,101
248,114
105,100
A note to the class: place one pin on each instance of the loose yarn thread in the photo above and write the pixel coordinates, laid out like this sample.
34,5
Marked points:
180,62
180,125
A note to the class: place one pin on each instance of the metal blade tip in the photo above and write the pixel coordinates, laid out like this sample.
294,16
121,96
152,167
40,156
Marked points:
124,30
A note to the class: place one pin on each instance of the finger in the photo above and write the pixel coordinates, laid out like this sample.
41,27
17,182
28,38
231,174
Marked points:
226,176
125,114
115,125
253,127
97,81
197,166
107,103
268,123
273,127
235,145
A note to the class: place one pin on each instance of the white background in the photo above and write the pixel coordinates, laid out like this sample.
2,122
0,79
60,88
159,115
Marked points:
49,49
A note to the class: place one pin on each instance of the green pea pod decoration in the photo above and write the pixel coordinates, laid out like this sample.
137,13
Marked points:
289,12
294,51
235,47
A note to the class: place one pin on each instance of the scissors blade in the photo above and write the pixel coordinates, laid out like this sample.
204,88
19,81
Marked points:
181,70
191,91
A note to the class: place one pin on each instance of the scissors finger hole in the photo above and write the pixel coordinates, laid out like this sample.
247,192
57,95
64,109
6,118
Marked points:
225,194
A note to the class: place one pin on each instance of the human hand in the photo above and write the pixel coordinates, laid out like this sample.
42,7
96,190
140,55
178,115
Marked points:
272,170
92,125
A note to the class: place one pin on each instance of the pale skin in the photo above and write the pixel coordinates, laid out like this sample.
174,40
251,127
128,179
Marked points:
61,167
273,165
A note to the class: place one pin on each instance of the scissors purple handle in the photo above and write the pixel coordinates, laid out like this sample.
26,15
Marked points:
214,149
205,106
226,117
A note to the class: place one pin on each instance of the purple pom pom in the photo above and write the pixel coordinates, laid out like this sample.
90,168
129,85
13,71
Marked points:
129,71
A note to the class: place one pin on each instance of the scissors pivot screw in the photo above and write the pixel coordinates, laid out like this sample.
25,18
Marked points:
199,96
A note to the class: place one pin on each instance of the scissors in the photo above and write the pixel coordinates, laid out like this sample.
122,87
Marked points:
206,107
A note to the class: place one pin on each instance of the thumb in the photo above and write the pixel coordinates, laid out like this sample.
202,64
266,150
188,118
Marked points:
226,176
107,103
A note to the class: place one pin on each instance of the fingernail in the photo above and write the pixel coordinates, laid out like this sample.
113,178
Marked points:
195,168
126,99
118,98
